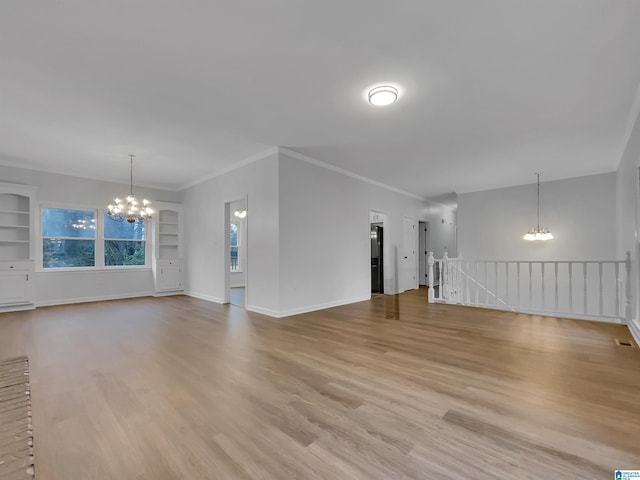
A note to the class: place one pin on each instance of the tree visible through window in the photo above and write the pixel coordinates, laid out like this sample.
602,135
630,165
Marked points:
124,243
76,238
68,238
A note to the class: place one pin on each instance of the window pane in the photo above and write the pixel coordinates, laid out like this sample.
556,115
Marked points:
234,234
124,230
60,222
59,253
122,252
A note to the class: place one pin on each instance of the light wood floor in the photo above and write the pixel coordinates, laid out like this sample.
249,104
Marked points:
179,388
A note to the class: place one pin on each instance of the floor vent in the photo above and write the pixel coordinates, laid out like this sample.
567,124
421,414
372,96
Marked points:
624,343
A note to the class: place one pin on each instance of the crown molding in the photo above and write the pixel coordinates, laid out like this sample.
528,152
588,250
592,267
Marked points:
102,178
328,166
243,163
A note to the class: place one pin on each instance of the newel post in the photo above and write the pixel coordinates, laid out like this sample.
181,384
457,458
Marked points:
431,291
627,288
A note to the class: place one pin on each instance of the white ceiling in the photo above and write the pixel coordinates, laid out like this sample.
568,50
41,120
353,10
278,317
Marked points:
492,90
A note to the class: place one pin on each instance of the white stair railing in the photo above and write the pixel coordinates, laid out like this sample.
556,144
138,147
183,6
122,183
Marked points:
597,289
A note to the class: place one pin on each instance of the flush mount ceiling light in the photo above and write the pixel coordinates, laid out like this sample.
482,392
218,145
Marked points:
383,95
240,213
130,209
538,233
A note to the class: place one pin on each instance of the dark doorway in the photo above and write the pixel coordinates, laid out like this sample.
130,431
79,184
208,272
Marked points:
377,274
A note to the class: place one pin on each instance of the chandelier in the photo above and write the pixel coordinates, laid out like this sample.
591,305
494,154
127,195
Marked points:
538,233
130,209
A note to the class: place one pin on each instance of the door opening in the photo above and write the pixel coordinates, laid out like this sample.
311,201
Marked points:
423,249
236,264
377,263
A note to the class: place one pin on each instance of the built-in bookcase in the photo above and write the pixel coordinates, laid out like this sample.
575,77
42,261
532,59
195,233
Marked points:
167,261
15,226
168,234
17,207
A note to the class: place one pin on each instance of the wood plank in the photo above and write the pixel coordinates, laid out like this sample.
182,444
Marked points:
177,387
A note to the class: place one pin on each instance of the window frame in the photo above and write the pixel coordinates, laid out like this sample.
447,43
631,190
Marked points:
147,228
99,240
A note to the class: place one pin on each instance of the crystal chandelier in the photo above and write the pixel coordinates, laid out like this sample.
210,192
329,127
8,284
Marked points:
538,233
130,209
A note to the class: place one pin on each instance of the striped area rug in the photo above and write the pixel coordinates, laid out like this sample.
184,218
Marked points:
16,436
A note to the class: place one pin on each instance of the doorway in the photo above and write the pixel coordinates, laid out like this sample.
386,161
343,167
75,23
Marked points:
236,264
408,260
377,258
423,249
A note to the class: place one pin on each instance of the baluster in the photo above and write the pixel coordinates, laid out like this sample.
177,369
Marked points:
477,289
506,274
530,286
467,282
444,277
627,288
431,291
555,273
518,280
570,266
495,291
584,273
543,299
486,283
617,280
600,288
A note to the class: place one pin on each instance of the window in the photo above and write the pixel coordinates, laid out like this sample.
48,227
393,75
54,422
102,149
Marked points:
68,238
235,246
124,243
76,237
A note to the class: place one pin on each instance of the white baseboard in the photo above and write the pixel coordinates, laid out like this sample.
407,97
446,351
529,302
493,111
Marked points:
308,308
541,313
168,294
635,331
202,296
17,308
263,311
99,298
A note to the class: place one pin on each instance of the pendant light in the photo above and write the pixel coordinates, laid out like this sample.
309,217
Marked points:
132,210
538,233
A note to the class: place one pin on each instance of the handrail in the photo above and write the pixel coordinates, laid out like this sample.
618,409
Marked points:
582,288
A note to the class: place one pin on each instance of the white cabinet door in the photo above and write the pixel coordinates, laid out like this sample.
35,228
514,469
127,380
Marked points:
15,288
169,278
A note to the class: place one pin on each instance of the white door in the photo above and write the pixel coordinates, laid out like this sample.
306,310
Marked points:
407,261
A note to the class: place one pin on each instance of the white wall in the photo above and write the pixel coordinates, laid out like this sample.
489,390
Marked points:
628,215
325,235
56,287
579,212
442,230
205,229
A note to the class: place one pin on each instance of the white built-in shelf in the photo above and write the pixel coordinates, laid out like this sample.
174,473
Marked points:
16,222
